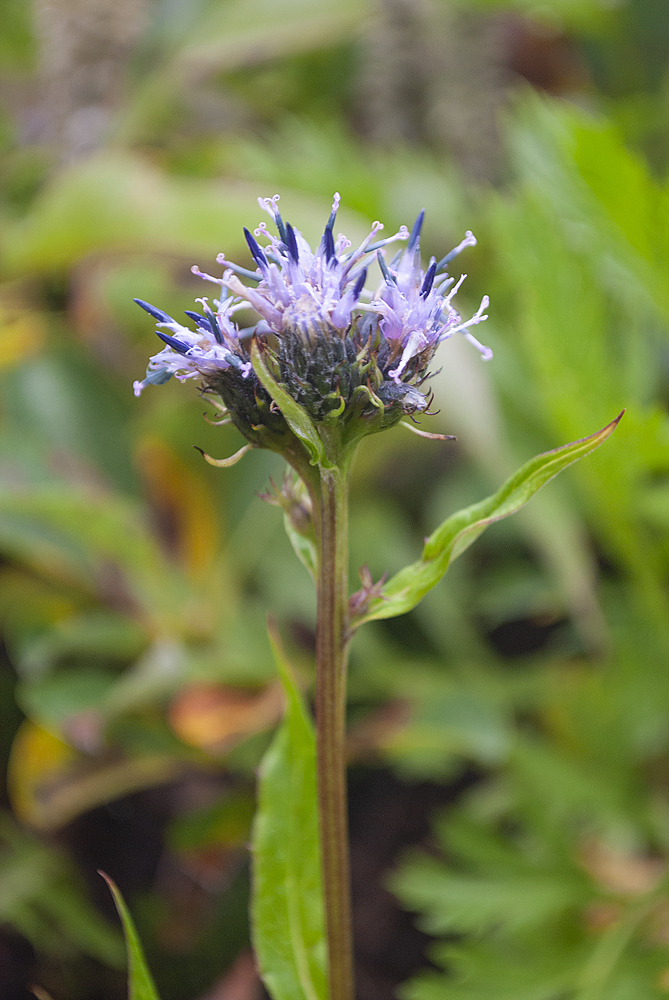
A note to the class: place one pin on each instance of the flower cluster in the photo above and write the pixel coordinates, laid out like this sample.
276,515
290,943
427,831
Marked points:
338,349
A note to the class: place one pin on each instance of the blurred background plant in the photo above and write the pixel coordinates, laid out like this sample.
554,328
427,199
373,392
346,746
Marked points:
514,729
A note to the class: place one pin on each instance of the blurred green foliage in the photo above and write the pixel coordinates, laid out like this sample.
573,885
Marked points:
135,579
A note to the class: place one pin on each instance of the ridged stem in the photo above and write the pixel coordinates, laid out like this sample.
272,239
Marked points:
331,524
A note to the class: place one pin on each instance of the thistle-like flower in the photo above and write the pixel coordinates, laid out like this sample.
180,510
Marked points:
343,353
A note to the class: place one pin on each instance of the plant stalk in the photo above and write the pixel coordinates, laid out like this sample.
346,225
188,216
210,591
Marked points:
331,524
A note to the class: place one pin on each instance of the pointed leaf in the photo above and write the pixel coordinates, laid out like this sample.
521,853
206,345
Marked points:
140,981
295,415
287,906
408,587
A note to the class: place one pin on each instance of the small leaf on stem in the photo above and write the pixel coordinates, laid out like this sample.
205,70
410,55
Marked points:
408,587
293,498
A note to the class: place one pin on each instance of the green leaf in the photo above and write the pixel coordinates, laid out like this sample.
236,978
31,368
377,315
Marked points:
140,980
496,970
66,532
452,901
41,895
580,166
287,906
69,220
303,545
296,416
227,38
408,587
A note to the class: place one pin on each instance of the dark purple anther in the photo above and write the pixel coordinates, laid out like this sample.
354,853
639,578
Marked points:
333,215
201,321
213,324
360,283
429,279
384,269
280,225
158,314
415,232
291,243
256,252
328,244
172,342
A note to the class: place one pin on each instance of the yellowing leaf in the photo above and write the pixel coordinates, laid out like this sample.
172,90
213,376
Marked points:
214,717
37,756
22,336
50,783
185,503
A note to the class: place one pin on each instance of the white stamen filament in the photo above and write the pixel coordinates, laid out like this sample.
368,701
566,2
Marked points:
202,274
454,290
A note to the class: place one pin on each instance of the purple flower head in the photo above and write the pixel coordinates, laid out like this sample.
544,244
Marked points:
212,345
340,350
416,305
311,293
317,293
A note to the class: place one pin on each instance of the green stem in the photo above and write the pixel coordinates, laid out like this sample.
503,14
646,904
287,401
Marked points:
331,522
